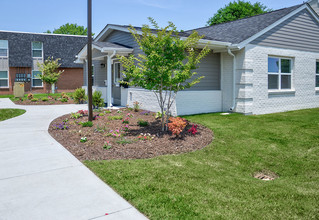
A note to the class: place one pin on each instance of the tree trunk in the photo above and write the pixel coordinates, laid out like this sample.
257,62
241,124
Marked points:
53,88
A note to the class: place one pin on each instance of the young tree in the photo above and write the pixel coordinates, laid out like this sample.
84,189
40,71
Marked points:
72,29
167,64
237,10
50,72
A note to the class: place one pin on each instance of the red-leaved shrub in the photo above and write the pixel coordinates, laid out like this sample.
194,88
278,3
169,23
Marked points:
193,130
176,125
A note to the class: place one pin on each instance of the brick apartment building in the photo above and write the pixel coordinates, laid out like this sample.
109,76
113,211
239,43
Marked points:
20,52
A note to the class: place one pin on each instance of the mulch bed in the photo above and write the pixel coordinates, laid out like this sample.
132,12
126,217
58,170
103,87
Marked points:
131,144
40,102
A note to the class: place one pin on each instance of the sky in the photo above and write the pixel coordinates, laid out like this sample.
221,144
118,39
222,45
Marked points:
42,15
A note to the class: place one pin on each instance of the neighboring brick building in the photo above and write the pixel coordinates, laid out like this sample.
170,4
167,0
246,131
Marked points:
20,52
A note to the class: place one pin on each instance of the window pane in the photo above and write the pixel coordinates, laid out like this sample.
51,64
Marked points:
317,65
273,65
317,80
3,83
4,44
3,52
286,82
37,82
37,45
36,53
285,66
3,74
272,81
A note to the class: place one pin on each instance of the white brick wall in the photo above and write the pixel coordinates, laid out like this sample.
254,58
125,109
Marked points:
303,81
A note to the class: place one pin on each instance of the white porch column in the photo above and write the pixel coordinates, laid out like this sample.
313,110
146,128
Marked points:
109,81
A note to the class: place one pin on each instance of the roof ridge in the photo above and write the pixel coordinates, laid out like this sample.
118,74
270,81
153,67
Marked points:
227,22
24,32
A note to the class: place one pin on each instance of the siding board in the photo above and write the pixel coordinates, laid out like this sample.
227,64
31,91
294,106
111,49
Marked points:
299,32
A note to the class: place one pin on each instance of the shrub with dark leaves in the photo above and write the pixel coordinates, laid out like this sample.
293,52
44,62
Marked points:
193,130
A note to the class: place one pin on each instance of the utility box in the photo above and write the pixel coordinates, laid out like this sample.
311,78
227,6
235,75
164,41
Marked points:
18,89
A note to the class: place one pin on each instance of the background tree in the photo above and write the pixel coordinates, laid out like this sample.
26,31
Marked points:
167,64
50,72
72,29
236,10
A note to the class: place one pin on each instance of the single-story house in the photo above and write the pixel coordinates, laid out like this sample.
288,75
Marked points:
20,52
261,64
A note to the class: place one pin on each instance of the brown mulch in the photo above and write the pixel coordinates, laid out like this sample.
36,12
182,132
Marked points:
40,102
129,146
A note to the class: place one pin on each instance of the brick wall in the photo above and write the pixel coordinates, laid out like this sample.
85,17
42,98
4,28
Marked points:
70,79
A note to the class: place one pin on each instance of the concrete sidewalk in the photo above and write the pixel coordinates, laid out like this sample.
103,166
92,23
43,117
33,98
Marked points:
40,179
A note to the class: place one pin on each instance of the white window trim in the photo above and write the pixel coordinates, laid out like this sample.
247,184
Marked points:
32,78
317,74
5,87
279,74
7,51
37,49
116,83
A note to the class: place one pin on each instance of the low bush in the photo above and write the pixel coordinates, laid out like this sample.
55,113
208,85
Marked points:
45,99
136,106
120,117
34,100
30,96
79,96
87,124
142,123
176,125
64,100
97,100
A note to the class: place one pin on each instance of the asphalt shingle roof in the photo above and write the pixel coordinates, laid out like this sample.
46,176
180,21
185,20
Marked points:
240,30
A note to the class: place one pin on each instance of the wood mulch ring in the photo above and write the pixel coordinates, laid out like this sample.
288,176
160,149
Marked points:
103,143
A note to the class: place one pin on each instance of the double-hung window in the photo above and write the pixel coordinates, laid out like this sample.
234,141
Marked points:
317,74
37,49
36,82
3,48
279,73
4,79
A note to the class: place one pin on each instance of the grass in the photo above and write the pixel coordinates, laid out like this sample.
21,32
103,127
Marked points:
217,182
39,96
8,113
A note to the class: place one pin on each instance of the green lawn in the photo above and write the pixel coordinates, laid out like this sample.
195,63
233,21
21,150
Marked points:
39,96
217,182
7,113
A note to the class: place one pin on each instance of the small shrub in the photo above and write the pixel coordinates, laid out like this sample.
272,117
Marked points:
45,99
65,96
130,115
193,130
146,137
136,106
87,124
76,115
34,100
30,96
83,112
97,100
126,121
159,114
79,96
83,139
126,128
120,117
142,123
64,100
107,112
101,114
176,125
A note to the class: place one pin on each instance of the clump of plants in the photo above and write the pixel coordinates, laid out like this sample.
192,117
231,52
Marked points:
136,106
145,112
87,124
76,115
126,121
100,129
115,117
64,100
97,99
130,115
146,137
124,141
83,112
45,99
176,125
142,123
61,126
64,96
107,145
114,133
34,100
83,139
30,96
193,129
79,96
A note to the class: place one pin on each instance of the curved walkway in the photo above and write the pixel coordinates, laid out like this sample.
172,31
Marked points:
40,179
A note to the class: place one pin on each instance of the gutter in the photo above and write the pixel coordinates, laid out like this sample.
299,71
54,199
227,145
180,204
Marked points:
234,79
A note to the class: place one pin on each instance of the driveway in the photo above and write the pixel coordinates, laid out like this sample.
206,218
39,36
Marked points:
40,179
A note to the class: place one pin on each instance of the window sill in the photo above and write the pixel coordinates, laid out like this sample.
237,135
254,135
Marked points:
281,92
317,89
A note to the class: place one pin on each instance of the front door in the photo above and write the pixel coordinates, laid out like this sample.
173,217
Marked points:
116,89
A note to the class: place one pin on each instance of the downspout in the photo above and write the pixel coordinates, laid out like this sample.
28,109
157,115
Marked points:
234,79
109,79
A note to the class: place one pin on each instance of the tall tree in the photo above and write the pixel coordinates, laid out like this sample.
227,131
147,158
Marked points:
167,64
237,10
72,29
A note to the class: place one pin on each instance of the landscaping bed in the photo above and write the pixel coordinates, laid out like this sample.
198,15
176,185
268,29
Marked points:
44,99
123,134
